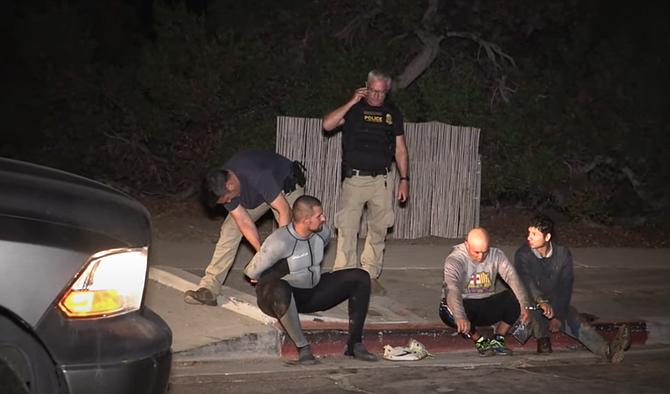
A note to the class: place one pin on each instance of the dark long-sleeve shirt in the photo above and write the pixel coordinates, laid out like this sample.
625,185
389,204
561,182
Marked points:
550,278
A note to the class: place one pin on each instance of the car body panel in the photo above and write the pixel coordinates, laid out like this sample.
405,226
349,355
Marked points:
45,194
51,224
145,376
41,257
131,336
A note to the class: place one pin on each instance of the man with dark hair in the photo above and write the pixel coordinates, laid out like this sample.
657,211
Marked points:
287,269
469,298
546,270
373,136
248,185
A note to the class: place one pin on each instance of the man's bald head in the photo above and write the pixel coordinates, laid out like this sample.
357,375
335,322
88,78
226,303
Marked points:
477,244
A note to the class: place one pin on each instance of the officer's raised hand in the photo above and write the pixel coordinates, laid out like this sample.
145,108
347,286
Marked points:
357,95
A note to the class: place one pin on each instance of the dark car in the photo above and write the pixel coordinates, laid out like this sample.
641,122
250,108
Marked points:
73,269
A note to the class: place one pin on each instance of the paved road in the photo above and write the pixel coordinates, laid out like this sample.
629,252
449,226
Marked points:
643,371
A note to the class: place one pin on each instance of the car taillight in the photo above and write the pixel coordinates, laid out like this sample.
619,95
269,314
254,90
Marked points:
111,284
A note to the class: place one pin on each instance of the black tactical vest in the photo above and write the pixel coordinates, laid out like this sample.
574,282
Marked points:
368,138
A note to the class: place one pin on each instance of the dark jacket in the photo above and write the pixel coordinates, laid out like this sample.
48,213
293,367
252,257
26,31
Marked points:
549,278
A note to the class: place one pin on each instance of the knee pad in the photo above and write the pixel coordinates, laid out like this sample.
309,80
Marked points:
273,296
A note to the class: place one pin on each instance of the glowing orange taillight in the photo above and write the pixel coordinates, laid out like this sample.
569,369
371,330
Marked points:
91,303
111,283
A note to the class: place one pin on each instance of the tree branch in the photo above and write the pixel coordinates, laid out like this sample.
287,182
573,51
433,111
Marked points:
430,17
637,186
630,175
358,24
492,50
430,50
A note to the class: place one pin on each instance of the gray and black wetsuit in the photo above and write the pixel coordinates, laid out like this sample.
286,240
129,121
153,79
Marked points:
290,281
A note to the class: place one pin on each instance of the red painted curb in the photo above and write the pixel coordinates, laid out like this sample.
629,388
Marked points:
329,338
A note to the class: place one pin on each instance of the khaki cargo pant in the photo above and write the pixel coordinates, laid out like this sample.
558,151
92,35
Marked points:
229,241
357,191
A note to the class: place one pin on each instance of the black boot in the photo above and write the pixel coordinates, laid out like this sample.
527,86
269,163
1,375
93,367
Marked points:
544,345
359,351
201,296
305,356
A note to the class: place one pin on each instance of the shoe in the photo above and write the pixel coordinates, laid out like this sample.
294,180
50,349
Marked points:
483,346
201,296
544,345
305,356
376,288
359,351
498,345
620,343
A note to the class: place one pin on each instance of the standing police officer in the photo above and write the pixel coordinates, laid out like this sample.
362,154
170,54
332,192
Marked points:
372,137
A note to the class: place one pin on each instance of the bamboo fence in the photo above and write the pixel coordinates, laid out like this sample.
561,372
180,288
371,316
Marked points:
444,168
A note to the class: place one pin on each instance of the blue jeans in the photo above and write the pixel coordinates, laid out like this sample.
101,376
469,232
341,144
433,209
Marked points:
575,326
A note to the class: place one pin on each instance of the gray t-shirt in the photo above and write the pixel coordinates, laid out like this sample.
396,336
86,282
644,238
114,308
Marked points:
304,256
261,173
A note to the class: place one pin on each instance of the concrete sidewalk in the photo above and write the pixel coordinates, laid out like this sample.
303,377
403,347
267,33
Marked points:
617,285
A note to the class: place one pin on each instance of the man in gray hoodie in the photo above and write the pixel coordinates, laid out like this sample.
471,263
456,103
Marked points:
469,298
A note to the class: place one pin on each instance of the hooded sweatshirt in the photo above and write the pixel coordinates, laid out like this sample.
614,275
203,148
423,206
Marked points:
466,279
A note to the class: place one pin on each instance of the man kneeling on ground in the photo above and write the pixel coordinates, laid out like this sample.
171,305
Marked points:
468,293
287,269
546,270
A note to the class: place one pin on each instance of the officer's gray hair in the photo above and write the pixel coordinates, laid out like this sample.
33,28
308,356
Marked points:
376,74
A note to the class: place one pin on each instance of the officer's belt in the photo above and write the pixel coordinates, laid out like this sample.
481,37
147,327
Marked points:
354,172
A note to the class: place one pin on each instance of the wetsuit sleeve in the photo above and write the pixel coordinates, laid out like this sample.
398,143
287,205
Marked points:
453,283
273,249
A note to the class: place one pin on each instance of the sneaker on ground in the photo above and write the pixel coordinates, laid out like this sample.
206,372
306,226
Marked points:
483,346
498,345
202,296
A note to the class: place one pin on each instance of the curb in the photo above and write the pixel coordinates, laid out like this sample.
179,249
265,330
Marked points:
245,304
235,301
249,346
659,332
330,339
328,335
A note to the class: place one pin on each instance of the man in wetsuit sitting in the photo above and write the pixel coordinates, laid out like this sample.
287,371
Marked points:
287,269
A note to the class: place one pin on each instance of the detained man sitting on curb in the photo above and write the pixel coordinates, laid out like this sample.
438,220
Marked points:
469,298
546,270
287,269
